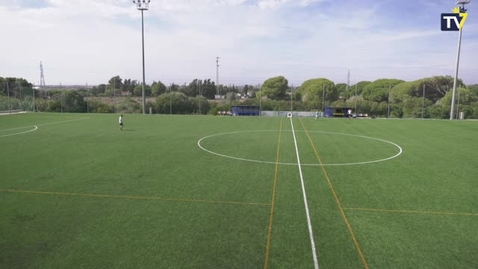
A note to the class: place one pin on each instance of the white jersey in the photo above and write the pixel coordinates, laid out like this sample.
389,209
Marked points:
120,119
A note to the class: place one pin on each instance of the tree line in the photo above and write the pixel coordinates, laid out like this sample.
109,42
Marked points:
427,97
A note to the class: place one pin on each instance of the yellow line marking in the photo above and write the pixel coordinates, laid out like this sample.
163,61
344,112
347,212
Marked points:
271,216
411,211
357,246
132,197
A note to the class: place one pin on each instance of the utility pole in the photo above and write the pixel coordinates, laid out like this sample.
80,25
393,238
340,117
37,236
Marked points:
291,92
170,108
217,75
199,95
87,99
114,94
423,102
8,94
388,101
348,82
355,98
34,110
260,100
61,100
323,98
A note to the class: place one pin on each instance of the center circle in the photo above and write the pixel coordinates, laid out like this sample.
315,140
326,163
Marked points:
201,142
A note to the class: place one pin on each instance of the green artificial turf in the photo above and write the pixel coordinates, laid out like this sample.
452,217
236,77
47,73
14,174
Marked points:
76,192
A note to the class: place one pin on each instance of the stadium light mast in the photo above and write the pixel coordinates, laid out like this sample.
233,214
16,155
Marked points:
142,5
462,10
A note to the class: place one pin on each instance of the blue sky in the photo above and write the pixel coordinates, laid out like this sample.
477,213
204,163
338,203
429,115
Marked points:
86,41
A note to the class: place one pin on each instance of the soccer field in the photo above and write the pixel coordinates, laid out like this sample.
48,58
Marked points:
228,192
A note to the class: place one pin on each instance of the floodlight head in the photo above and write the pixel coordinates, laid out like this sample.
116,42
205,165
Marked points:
142,4
462,2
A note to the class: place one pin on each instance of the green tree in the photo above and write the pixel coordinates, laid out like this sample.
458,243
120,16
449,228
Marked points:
129,85
312,92
73,102
97,90
138,90
443,84
128,106
180,103
18,87
378,90
275,88
341,90
230,97
473,89
174,87
208,89
201,105
192,89
158,88
115,83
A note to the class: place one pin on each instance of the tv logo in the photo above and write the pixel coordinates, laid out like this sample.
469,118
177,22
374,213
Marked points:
453,21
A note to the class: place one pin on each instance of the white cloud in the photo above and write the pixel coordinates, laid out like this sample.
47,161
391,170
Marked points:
90,41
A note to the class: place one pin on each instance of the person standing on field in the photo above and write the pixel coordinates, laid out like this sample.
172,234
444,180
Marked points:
121,122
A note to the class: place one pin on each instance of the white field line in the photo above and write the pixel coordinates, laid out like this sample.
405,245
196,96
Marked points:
400,150
17,128
13,113
309,224
36,127
65,121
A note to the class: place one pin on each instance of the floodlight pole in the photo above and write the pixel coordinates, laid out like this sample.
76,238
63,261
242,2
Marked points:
217,75
457,103
457,61
142,5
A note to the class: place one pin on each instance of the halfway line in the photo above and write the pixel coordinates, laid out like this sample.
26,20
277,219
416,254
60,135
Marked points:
309,224
132,197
